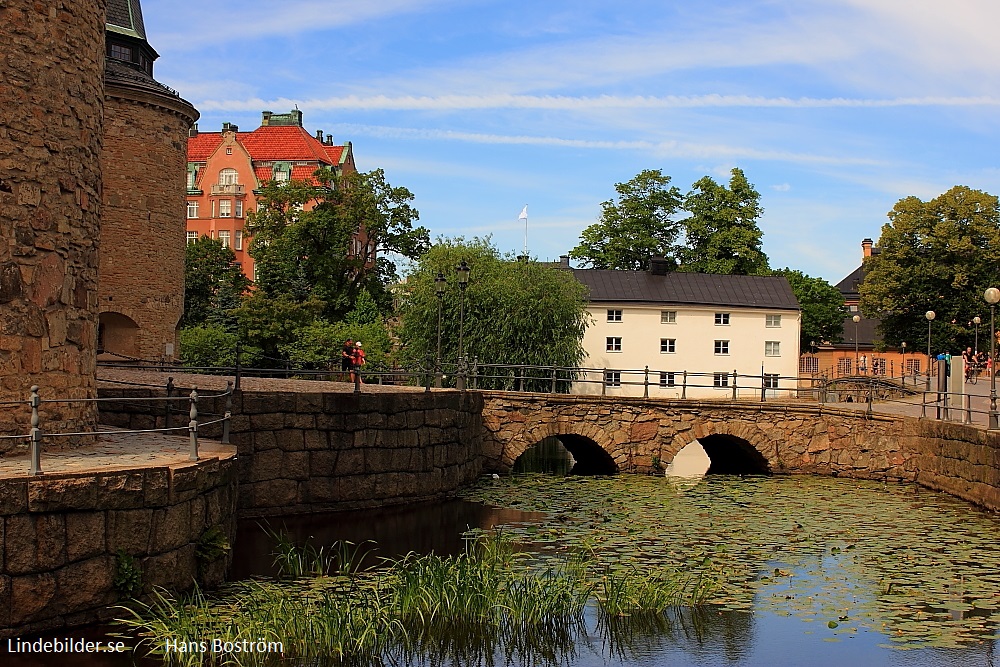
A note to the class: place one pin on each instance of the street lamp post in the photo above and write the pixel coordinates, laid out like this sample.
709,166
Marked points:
439,284
930,318
992,296
856,318
463,281
902,369
977,321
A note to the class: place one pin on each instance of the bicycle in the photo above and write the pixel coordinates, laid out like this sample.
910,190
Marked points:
972,372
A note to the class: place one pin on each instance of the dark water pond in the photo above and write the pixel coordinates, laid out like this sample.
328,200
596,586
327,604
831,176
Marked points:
813,571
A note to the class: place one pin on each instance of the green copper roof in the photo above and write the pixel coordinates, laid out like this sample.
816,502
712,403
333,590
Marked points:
125,18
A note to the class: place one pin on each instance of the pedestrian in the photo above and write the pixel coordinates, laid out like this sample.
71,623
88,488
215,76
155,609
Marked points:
358,360
347,358
863,366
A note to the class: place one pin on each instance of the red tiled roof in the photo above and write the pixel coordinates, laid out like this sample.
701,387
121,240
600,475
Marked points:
282,142
201,146
302,172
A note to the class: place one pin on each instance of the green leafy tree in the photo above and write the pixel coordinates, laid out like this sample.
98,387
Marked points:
327,243
722,235
822,308
207,345
638,225
516,312
936,255
318,344
213,283
265,324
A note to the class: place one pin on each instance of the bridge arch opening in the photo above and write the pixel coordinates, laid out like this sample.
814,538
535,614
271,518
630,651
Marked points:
731,455
566,455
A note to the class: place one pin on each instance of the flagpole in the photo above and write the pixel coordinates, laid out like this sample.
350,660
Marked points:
524,215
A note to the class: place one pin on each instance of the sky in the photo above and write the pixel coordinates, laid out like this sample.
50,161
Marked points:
834,109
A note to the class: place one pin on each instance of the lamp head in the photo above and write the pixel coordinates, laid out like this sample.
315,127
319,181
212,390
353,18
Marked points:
463,271
976,320
930,315
439,283
992,295
856,318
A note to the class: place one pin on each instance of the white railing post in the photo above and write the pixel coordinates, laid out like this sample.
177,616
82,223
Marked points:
35,433
193,424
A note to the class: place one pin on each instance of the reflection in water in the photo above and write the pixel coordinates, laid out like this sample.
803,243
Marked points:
691,462
548,456
422,528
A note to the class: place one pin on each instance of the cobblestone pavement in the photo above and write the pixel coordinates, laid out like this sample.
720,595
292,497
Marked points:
116,451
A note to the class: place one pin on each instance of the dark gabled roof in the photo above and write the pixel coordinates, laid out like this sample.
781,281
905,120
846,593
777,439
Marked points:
676,288
851,284
125,17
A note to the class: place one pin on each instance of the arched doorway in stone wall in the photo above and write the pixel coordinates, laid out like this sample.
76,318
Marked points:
117,334
732,455
566,454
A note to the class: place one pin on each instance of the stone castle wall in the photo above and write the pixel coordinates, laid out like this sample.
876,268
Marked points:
312,452
143,219
63,536
50,184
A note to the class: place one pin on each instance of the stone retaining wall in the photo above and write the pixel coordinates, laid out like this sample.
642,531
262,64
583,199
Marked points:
63,537
959,459
312,452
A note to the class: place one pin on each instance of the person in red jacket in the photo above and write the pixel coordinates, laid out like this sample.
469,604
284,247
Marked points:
358,360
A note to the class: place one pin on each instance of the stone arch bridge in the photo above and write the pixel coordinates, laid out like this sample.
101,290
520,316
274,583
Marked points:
643,435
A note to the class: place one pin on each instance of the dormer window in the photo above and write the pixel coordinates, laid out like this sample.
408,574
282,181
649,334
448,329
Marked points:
121,52
229,177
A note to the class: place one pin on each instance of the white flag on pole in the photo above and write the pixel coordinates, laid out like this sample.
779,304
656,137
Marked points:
524,213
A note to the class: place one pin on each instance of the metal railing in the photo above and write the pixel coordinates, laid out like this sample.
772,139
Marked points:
36,435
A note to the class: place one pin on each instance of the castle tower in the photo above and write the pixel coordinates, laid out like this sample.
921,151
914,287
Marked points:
144,162
52,67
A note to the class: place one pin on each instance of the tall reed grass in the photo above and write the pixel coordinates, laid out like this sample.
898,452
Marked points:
488,602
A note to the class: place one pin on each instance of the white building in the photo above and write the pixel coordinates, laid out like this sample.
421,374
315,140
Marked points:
691,335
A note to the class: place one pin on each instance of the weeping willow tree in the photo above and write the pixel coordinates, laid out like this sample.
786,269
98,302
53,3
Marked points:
516,312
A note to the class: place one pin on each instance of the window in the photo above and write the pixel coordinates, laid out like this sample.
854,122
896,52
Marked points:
668,345
808,365
853,308
668,317
613,343
720,380
722,319
224,237
192,209
225,208
722,347
614,315
238,240
191,176
843,366
772,321
229,150
770,380
613,378
192,237
239,208
667,380
878,366
229,177
912,366
772,348
120,52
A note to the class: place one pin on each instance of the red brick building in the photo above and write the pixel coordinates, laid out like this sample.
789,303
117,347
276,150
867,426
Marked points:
226,170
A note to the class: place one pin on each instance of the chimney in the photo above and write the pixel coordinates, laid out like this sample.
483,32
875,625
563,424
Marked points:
866,248
563,261
296,117
265,118
193,132
319,136
658,266
329,140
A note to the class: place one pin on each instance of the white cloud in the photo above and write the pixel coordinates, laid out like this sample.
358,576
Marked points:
781,187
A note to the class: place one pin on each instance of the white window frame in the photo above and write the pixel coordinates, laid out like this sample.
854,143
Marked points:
225,237
238,239
229,176
668,379
771,380
668,317
192,237
239,208
722,319
613,344
772,348
720,380
614,314
772,321
722,348
225,208
668,345
613,378
192,210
